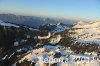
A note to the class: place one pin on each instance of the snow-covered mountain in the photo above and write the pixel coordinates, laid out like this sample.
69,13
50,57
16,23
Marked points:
86,32
55,28
25,46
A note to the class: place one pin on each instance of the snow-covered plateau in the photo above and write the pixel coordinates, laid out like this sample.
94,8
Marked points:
86,32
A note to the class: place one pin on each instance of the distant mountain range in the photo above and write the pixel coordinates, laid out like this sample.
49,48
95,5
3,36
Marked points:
32,21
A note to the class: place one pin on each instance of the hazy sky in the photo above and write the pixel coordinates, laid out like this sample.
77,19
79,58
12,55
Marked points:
88,9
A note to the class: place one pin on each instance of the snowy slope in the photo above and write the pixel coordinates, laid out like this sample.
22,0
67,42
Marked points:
54,28
59,27
86,32
7,24
82,24
37,56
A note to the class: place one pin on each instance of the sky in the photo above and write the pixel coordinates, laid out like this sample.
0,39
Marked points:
75,9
